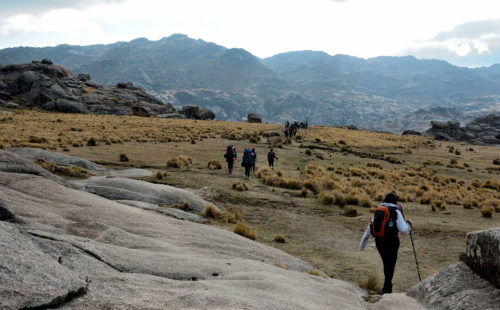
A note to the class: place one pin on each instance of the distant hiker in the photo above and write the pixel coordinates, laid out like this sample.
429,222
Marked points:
253,157
270,158
230,157
287,124
387,221
287,133
246,162
306,125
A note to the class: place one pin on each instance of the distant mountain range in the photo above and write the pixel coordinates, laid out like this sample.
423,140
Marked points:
382,93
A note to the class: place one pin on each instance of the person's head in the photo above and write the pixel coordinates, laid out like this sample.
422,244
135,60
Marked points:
253,149
391,198
271,150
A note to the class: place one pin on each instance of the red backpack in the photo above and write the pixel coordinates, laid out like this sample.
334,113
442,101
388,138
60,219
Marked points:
384,221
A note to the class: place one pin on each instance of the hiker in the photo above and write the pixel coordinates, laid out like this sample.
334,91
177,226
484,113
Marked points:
246,162
287,132
253,157
385,230
230,157
270,158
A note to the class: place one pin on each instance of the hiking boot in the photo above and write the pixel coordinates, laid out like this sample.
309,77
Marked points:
386,290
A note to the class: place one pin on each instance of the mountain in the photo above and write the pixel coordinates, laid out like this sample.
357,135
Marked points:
380,93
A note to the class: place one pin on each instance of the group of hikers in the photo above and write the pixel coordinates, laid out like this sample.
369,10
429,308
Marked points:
388,219
248,161
291,129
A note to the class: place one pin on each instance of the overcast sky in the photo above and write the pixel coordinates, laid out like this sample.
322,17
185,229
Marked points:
463,32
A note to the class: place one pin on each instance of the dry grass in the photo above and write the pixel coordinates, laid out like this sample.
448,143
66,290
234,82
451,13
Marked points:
280,238
371,283
123,157
66,171
214,164
179,162
244,230
240,186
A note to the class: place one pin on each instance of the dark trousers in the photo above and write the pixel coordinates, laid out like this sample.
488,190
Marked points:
230,165
247,170
388,250
271,162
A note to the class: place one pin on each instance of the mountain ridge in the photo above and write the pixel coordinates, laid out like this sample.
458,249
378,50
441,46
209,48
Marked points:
312,85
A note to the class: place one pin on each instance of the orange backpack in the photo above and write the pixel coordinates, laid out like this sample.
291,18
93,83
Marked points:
384,221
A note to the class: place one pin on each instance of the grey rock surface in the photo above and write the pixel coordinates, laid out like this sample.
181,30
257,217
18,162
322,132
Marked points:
130,173
196,112
456,287
128,189
483,254
11,162
138,259
34,154
183,215
484,130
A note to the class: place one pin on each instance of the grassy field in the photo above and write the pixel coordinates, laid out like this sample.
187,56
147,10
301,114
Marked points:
320,196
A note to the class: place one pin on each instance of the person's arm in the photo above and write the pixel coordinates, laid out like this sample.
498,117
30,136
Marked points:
403,227
365,238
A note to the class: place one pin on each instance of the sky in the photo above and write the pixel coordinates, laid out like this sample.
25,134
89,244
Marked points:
462,32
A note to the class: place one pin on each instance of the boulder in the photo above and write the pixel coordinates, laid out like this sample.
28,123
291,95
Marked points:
411,132
196,112
254,118
12,105
126,85
141,111
439,125
443,136
453,124
456,287
47,61
483,254
490,139
84,77
65,106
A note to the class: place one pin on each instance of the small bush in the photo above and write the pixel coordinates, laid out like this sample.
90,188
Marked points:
179,162
253,139
38,140
214,164
308,152
365,203
314,272
123,157
327,198
339,199
438,204
351,199
185,206
370,284
240,186
304,191
212,212
457,152
496,161
280,238
244,230
467,204
350,211
487,211
92,142
161,175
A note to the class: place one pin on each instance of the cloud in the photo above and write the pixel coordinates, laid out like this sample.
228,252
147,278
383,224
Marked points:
474,43
12,8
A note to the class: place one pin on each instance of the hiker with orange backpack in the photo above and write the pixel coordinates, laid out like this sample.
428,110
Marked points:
387,221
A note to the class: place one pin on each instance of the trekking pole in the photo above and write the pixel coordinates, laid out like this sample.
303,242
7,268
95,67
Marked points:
415,254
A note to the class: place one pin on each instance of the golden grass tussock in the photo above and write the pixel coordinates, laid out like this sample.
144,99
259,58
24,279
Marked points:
179,162
487,211
327,198
161,175
214,164
371,283
123,157
244,230
240,186
280,238
350,211
67,171
314,272
212,212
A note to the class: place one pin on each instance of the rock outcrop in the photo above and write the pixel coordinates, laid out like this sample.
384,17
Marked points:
462,287
254,118
196,112
484,130
55,88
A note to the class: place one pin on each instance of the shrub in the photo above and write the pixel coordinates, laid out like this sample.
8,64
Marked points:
327,198
212,212
314,272
350,211
123,157
214,164
467,204
496,161
312,186
339,199
160,175
351,199
244,230
304,191
38,140
365,203
179,162
308,152
457,152
185,206
487,211
92,142
280,238
239,186
370,284
438,204
453,161
374,165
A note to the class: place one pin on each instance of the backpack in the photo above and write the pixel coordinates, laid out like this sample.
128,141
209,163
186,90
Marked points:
384,222
247,158
230,154
270,156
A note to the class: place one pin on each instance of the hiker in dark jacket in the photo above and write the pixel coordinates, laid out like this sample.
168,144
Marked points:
388,245
230,157
270,158
246,162
253,157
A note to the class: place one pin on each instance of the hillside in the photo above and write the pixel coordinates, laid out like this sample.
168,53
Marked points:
305,85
